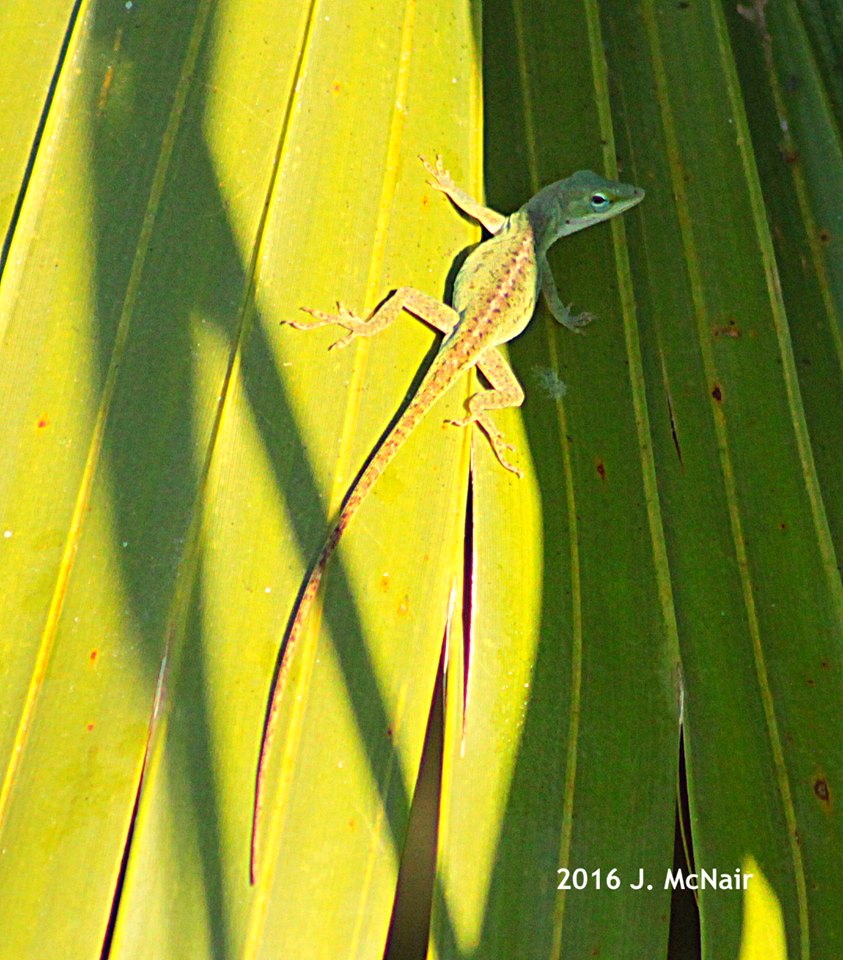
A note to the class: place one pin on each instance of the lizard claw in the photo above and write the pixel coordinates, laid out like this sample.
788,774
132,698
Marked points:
582,320
442,180
495,438
343,318
465,422
576,322
320,317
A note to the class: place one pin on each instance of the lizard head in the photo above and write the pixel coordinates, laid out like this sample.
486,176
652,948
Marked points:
583,199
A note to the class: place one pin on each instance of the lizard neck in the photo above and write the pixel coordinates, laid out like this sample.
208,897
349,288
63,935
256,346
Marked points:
545,215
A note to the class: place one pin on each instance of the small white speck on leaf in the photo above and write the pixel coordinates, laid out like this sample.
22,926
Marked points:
550,382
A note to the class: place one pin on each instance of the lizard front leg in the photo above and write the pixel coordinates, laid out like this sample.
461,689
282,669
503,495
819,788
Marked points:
560,312
505,391
491,219
432,311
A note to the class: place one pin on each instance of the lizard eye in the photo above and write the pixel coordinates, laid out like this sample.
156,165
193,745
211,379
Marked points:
600,202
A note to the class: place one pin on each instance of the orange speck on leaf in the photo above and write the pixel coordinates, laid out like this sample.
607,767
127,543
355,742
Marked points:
106,86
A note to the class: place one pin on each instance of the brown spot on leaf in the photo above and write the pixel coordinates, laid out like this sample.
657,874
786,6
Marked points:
825,236
717,393
730,329
822,791
601,470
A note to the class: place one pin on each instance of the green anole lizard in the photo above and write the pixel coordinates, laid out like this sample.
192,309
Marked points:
495,294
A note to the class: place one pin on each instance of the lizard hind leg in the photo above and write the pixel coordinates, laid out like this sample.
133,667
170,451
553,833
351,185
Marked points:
435,313
355,325
495,437
506,392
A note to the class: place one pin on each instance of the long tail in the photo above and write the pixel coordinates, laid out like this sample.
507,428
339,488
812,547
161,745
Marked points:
439,378
279,683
